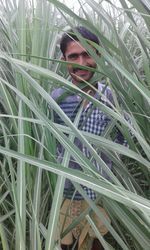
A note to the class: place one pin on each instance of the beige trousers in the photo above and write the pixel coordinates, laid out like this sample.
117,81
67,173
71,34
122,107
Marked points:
72,209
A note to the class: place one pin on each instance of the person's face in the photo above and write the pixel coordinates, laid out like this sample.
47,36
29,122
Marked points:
75,53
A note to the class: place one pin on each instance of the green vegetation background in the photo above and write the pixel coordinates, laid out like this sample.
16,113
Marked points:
31,179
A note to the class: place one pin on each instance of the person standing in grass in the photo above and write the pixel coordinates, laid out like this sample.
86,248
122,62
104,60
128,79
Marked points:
92,120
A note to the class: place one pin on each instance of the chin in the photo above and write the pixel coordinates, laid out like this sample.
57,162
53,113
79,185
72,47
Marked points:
78,80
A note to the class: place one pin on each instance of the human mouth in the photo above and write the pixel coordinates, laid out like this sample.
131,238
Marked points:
80,72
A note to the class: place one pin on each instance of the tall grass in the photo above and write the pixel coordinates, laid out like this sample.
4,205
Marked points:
32,180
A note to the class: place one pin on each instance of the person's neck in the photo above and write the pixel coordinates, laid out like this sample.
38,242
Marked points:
86,88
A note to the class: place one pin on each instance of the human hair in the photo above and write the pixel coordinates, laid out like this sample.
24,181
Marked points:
70,36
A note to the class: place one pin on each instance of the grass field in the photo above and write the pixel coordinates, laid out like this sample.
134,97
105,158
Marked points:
31,179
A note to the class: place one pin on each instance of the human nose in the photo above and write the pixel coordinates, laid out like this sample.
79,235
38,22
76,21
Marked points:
81,60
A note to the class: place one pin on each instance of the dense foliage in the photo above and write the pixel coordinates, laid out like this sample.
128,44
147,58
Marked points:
31,179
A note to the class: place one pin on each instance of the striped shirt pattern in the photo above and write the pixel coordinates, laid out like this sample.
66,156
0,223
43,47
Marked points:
92,120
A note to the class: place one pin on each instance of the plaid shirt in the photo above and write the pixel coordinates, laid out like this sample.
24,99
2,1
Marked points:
92,120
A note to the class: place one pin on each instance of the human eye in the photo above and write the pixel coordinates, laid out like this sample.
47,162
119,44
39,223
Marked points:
73,56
